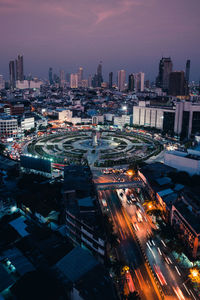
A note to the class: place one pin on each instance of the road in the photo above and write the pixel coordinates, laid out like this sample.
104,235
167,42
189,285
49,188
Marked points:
174,284
128,249
159,255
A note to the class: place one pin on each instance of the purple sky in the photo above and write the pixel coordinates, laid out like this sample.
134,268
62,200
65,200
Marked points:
128,34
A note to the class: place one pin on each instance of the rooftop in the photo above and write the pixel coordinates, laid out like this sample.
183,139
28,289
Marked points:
192,218
76,264
165,192
6,279
20,226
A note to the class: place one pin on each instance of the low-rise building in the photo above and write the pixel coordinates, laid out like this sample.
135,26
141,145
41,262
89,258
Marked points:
186,222
82,225
8,126
184,161
27,122
183,118
122,120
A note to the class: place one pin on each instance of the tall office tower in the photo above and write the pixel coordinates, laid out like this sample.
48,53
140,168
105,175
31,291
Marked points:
50,75
177,84
99,75
74,81
187,71
80,76
131,81
165,68
147,84
139,82
84,83
2,83
90,81
67,77
19,68
121,79
12,73
110,84
62,78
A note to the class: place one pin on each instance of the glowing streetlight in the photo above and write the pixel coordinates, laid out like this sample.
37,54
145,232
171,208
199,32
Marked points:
150,206
194,275
130,173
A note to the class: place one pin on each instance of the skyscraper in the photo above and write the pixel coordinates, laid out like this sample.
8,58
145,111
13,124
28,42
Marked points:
2,83
165,68
139,81
121,79
131,84
12,73
50,75
187,71
99,75
74,81
110,84
62,78
177,84
90,81
80,76
19,68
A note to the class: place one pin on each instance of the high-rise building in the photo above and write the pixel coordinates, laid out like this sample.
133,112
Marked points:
147,84
19,68
121,79
165,68
12,73
84,83
99,75
110,84
74,81
2,83
62,78
80,76
187,71
131,84
90,81
139,82
177,84
50,75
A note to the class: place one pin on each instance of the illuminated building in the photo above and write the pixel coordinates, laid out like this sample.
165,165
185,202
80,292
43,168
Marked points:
80,76
8,126
74,81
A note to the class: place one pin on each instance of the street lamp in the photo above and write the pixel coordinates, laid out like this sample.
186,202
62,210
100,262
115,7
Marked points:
194,275
130,173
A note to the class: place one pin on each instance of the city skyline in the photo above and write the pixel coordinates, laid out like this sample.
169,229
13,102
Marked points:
57,72
125,34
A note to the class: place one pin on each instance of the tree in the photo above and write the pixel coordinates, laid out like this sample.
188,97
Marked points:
133,296
2,148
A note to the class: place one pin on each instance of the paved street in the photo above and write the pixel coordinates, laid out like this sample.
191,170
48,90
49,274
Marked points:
130,219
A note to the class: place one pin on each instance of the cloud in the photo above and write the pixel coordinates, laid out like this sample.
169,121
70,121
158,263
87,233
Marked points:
121,8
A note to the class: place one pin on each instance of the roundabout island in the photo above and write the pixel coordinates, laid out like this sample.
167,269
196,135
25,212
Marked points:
102,148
